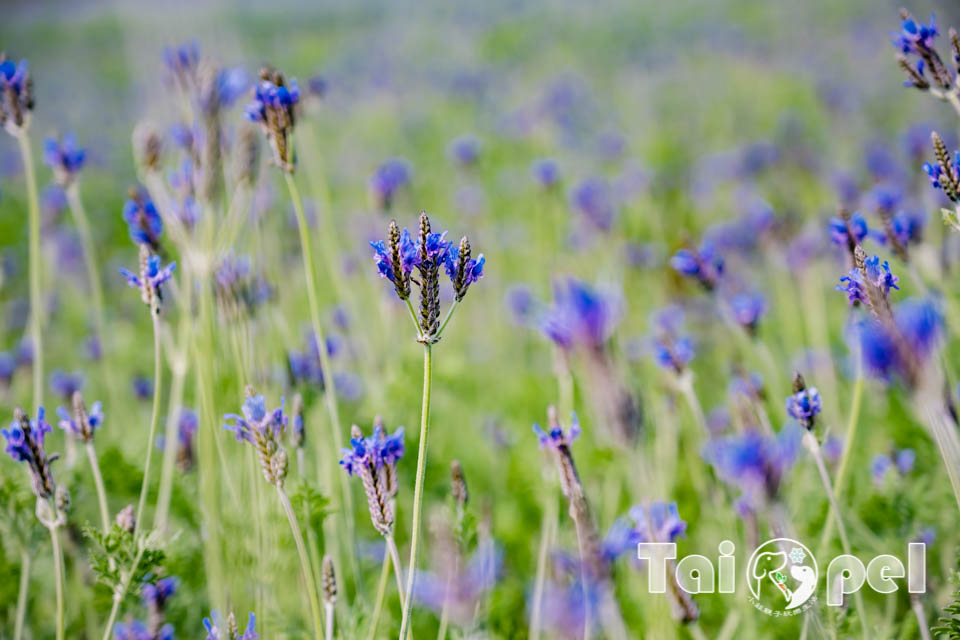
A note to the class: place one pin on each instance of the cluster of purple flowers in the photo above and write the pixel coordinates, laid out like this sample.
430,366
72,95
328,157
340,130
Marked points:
143,220
374,460
151,278
25,444
672,350
16,95
592,199
81,423
580,315
263,430
274,109
901,459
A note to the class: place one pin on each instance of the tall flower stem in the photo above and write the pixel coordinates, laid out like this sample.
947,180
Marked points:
152,434
89,258
381,594
22,594
397,567
848,445
98,482
121,592
917,607
548,528
36,302
418,487
814,447
304,563
329,386
58,577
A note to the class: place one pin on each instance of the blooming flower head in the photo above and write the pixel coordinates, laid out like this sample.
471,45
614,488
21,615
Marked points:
274,109
458,585
901,346
557,437
804,405
136,630
25,444
907,227
747,309
671,350
143,220
64,157
151,278
186,432
387,180
705,265
465,150
870,283
879,467
914,36
848,231
220,87
592,199
754,462
463,269
16,95
263,430
374,460
944,171
580,315
545,172
81,423
65,384
217,629
182,62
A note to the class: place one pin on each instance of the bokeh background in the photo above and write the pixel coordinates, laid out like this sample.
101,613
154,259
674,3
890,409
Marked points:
694,115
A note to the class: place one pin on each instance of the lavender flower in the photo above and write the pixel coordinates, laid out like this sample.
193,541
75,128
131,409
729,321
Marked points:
545,172
16,95
81,423
917,39
879,467
239,291
396,262
374,460
182,63
273,108
64,157
151,278
186,432
25,444
944,172
136,630
8,366
458,586
869,282
580,315
142,387
387,180
804,405
753,462
905,460
65,384
704,265
218,630
465,150
143,220
848,230
901,345
747,310
462,269
219,88
591,198
263,430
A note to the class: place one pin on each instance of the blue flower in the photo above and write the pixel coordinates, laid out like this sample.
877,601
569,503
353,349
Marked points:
156,594
658,522
858,282
256,420
64,157
754,462
848,233
705,265
151,278
225,87
16,94
905,460
557,437
136,630
143,220
25,444
65,384
273,108
747,309
804,405
879,466
592,199
902,347
82,424
465,150
387,180
216,630
914,36
545,172
458,585
907,227
374,451
580,315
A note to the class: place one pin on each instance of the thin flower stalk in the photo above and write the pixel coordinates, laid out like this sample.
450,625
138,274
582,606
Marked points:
154,415
22,593
36,276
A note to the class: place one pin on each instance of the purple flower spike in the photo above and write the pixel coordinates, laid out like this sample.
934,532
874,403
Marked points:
64,157
705,265
557,437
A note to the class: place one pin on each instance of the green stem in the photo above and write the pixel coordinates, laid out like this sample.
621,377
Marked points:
89,259
418,488
395,558
58,578
413,316
304,562
152,434
328,620
443,325
98,482
121,593
36,302
848,446
547,529
22,594
381,593
814,448
329,386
